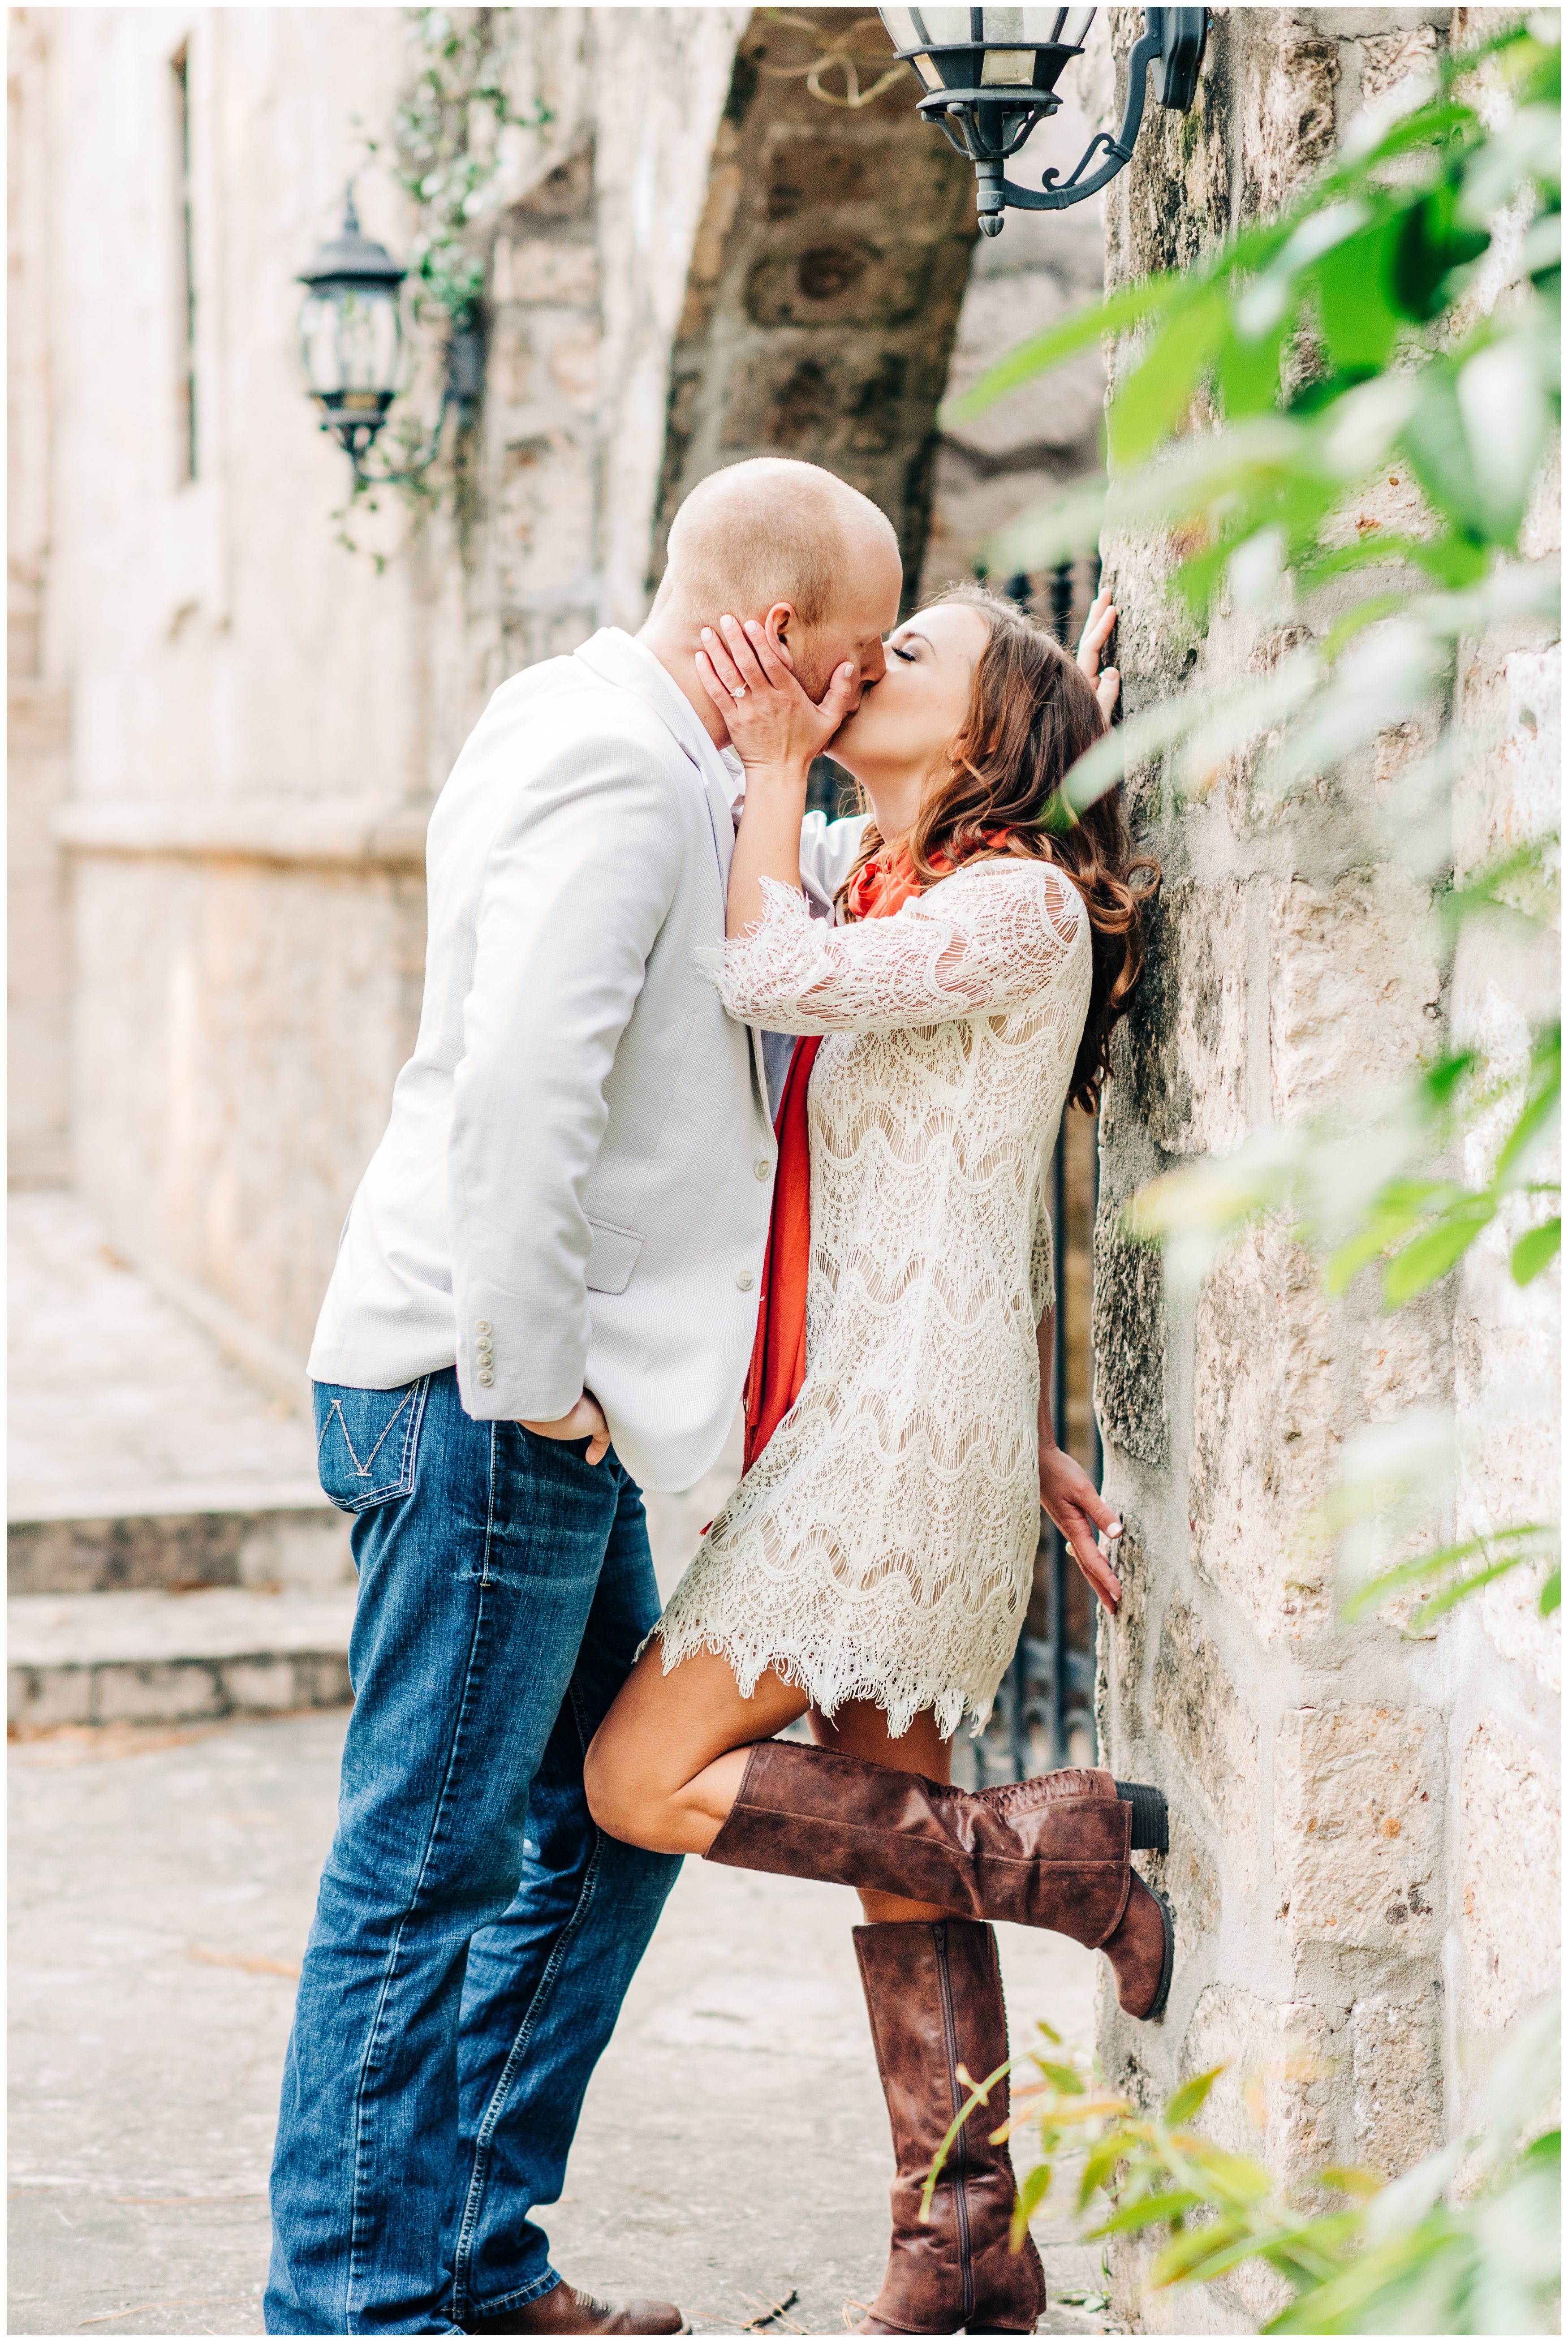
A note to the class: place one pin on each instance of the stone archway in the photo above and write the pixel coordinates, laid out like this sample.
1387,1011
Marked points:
824,284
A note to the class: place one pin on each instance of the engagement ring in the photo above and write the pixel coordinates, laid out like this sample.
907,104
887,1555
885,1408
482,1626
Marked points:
739,692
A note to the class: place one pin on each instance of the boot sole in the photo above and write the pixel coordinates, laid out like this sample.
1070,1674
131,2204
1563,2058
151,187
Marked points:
1156,2007
1151,1820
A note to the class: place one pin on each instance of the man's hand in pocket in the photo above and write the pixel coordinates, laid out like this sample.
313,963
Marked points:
585,1421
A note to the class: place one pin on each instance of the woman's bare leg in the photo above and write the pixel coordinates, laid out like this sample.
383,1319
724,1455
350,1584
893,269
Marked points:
667,1763
859,1728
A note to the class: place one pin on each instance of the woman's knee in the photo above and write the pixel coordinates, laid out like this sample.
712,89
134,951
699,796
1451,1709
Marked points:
613,1800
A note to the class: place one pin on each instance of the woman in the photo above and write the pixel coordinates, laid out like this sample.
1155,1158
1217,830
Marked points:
874,1566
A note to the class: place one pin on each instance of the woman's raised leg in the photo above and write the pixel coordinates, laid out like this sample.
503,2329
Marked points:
666,1765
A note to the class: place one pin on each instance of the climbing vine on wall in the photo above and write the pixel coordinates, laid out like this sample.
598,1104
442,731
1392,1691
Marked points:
445,150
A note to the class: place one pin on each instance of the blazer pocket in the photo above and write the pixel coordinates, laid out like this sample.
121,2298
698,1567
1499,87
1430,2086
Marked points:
612,1256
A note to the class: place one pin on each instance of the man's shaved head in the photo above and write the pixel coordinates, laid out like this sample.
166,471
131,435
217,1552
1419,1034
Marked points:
766,531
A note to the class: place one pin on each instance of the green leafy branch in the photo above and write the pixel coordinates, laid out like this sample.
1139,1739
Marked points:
1359,1190
1395,2257
1328,343
445,151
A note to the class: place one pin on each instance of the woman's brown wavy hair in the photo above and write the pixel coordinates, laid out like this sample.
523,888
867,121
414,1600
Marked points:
1033,713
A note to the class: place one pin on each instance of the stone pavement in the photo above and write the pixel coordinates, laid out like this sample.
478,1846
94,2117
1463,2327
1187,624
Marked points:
733,2152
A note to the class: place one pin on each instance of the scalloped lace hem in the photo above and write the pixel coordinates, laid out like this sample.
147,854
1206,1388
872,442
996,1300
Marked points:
827,1680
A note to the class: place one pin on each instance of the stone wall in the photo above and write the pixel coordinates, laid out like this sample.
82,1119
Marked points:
1364,1859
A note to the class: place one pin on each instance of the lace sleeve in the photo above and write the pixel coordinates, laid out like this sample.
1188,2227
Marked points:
993,937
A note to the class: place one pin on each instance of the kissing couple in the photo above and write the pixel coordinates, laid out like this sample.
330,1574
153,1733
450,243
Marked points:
702,1080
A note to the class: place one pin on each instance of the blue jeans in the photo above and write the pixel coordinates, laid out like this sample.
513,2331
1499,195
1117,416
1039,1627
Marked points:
474,1932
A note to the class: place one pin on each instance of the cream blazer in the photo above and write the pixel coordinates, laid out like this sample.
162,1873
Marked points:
574,1186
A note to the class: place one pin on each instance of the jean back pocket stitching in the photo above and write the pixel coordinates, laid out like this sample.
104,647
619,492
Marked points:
419,1393
362,1471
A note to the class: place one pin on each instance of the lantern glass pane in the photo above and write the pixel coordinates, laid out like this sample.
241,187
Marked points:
900,24
1008,68
927,72
351,338
942,26
1014,27
1075,24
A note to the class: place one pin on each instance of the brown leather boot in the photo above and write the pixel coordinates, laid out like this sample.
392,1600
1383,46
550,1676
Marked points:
934,1993
1052,1852
566,2310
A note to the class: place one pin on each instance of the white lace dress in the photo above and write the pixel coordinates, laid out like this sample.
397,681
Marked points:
882,1546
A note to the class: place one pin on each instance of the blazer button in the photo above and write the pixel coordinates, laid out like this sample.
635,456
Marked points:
483,1326
485,1377
763,1168
746,1280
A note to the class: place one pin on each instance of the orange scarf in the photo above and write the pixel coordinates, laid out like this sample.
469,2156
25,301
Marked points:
778,1353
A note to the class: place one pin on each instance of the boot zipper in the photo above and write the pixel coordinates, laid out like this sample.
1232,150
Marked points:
959,2153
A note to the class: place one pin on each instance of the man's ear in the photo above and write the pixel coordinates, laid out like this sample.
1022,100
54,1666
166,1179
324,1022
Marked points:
776,624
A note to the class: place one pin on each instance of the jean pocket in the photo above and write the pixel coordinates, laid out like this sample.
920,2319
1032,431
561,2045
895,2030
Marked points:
367,1442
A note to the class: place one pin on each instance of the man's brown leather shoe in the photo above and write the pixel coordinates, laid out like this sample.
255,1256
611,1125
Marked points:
566,2310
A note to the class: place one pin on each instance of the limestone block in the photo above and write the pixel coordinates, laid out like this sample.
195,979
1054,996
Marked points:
1204,1715
1396,2068
846,280
1358,1804
1129,1340
1406,1360
1355,988
1510,794
1265,1438
1287,104
1509,1927
1274,2102
1188,1024
1389,504
1388,60
526,268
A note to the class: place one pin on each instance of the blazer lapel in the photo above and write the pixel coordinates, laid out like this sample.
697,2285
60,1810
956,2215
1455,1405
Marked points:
618,659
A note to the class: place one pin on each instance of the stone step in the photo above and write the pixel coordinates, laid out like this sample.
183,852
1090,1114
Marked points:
163,1657
182,1536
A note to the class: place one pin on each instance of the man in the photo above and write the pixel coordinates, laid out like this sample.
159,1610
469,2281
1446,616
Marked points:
545,1293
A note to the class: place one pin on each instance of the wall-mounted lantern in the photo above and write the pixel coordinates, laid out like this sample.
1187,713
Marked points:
351,339
991,75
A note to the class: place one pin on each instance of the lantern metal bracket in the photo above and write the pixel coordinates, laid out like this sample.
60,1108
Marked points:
1170,51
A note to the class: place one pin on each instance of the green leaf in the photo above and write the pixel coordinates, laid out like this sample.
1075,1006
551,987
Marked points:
1187,2259
1184,2104
1431,245
1536,1250
1042,351
1551,1594
1360,320
1067,2078
1155,396
1147,2211
1544,1089
1430,1257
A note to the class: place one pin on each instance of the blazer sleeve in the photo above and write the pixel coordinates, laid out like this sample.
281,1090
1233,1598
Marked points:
579,876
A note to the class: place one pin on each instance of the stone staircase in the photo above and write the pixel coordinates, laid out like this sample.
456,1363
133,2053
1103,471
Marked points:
170,1556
